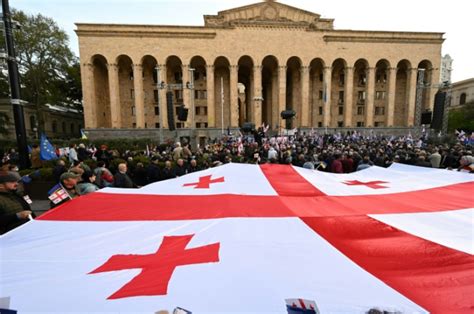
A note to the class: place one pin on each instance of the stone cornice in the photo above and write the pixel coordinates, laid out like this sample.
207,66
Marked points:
383,37
156,31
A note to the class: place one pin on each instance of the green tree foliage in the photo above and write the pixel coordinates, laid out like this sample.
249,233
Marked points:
462,118
49,71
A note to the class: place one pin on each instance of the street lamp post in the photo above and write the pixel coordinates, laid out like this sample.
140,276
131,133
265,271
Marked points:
13,76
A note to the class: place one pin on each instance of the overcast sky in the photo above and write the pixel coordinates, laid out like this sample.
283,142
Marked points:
450,17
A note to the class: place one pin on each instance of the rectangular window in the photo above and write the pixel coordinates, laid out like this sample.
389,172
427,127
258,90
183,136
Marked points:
155,95
179,95
321,77
134,125
341,97
378,124
157,125
157,111
379,111
178,77
361,95
320,96
362,80
320,110
340,124
380,94
132,94
133,110
360,124
320,124
360,111
146,125
341,110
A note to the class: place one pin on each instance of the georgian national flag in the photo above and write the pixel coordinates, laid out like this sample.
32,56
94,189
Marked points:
57,194
244,238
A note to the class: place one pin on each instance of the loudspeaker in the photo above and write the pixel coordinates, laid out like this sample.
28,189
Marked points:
287,114
438,111
248,127
426,117
182,113
169,106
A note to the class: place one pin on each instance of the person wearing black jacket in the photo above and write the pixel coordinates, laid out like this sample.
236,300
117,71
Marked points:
15,210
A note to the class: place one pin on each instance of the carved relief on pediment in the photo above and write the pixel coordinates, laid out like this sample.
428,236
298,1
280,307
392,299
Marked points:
266,12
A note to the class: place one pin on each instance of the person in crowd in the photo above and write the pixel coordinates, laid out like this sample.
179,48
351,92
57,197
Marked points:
336,165
76,167
365,163
186,153
177,151
82,153
59,169
153,170
122,179
103,155
180,169
72,154
140,175
168,171
36,157
193,166
104,177
15,209
67,187
435,158
87,184
347,163
422,162
466,164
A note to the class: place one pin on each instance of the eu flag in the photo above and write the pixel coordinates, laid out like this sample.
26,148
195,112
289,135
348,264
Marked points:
47,151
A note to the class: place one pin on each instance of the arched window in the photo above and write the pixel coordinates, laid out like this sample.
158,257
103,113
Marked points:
462,99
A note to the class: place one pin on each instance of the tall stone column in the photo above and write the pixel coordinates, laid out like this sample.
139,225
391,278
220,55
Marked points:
434,76
349,96
234,96
392,81
139,95
211,103
369,115
327,96
114,95
282,92
186,94
88,87
413,72
304,72
162,78
257,98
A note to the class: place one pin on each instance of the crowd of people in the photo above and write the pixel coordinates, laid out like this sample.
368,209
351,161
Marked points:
84,169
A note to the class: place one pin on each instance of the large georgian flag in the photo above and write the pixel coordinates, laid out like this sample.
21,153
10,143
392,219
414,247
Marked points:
243,238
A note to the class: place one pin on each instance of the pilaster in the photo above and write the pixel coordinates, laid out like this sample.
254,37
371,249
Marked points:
392,80
348,96
139,95
369,117
211,103
114,95
304,72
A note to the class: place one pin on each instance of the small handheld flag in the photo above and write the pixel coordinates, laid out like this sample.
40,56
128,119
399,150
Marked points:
301,306
57,194
83,135
47,151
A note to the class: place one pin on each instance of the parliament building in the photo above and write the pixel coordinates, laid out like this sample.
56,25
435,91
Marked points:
250,63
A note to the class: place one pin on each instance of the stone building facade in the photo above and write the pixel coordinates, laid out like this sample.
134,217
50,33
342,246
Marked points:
59,121
250,63
462,93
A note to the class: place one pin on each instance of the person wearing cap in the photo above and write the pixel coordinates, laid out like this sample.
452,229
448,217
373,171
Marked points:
14,209
67,182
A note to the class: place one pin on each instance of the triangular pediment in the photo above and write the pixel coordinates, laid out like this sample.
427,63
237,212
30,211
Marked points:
268,12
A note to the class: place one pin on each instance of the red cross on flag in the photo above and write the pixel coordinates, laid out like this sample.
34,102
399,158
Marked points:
262,234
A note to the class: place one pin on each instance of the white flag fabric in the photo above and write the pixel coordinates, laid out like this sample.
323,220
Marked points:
244,238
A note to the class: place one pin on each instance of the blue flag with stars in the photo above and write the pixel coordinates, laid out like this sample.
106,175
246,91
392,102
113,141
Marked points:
47,151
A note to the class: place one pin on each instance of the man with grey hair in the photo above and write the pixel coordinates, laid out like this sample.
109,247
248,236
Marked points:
121,178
